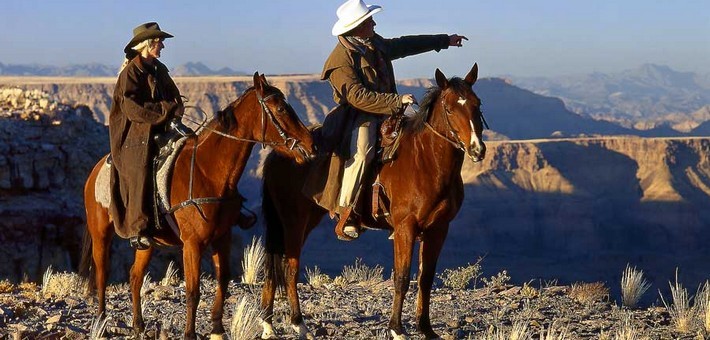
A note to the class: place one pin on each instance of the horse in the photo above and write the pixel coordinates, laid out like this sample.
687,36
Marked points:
425,188
209,174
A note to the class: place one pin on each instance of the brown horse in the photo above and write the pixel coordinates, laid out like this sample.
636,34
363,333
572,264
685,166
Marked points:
424,186
260,115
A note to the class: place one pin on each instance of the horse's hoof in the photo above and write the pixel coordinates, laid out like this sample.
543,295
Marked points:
302,331
396,336
268,331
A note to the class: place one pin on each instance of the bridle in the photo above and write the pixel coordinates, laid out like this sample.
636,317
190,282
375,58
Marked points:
289,142
455,140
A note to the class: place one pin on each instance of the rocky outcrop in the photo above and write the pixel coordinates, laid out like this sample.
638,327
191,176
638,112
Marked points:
46,153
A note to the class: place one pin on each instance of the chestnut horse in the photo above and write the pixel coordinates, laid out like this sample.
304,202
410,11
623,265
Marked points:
260,115
425,189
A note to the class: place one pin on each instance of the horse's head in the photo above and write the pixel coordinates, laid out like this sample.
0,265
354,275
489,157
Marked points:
460,110
279,125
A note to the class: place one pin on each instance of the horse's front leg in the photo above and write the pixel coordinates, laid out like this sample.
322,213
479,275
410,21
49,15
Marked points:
220,258
429,249
292,270
136,279
403,247
100,248
191,260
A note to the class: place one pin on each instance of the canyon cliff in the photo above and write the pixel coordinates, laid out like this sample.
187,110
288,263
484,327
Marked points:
564,208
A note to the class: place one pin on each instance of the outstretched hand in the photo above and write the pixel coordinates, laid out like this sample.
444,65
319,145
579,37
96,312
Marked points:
408,99
456,40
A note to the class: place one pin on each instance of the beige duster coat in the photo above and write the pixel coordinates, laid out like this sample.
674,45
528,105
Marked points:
358,89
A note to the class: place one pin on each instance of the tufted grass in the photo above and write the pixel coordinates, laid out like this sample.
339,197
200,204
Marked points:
633,286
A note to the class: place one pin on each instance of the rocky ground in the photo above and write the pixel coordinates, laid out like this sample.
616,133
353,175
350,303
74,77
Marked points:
338,310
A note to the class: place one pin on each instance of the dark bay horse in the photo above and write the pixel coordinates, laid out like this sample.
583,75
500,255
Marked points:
260,115
425,190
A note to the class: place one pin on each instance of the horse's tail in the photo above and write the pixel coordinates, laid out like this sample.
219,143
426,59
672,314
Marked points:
86,268
275,233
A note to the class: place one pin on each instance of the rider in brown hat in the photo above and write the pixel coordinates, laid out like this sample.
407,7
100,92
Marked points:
360,72
145,100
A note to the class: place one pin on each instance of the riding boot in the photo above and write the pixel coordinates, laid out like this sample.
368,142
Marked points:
348,226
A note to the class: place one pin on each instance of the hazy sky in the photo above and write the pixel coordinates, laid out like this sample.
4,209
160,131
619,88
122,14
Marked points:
518,37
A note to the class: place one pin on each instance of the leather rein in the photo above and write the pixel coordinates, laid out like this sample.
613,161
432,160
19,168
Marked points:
265,112
456,141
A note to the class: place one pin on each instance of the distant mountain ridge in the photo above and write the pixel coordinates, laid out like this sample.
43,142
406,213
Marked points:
101,70
646,97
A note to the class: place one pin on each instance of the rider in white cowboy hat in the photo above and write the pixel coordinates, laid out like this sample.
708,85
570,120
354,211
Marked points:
360,71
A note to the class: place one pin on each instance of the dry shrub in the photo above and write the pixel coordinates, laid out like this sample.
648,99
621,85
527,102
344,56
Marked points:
554,332
497,281
633,285
6,286
246,320
703,301
627,330
461,277
519,331
586,293
681,311
60,285
171,277
361,273
528,291
253,261
317,279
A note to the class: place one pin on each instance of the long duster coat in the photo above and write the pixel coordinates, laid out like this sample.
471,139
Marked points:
144,100
358,88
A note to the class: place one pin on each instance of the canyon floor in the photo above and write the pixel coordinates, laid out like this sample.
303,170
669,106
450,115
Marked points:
352,311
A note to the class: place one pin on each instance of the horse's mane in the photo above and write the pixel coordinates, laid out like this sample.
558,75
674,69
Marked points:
224,118
416,122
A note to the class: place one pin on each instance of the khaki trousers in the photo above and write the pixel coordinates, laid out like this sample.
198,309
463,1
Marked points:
362,152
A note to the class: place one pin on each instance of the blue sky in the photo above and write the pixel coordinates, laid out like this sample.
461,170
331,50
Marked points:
517,37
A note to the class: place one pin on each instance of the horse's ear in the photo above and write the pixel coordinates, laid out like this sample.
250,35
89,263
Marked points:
263,79
441,79
472,75
258,84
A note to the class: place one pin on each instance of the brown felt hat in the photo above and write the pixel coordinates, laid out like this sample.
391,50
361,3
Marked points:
149,30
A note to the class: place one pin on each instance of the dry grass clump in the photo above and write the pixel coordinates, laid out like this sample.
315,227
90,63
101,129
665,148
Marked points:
98,327
633,285
361,273
461,277
528,291
497,281
246,320
317,279
519,331
171,276
703,301
554,332
253,261
60,285
6,286
586,293
627,330
681,311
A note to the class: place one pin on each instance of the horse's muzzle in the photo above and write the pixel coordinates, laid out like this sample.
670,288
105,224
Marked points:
477,152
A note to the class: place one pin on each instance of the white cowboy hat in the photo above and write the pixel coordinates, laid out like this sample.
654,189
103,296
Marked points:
351,14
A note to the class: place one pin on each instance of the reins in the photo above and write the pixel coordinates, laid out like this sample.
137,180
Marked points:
265,112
